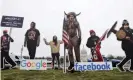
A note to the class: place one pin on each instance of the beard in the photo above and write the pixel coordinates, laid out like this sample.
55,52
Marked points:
55,41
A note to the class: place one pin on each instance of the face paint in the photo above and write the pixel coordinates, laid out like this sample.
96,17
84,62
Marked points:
126,26
54,38
92,34
71,18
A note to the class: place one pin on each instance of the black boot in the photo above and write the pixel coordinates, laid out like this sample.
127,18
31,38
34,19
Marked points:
71,67
120,68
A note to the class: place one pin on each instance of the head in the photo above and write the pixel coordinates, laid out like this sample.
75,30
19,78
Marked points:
71,16
92,33
125,24
32,25
55,38
5,32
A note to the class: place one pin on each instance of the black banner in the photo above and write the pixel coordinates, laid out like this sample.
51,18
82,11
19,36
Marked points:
12,21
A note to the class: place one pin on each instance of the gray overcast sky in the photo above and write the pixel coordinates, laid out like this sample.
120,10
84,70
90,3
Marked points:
48,15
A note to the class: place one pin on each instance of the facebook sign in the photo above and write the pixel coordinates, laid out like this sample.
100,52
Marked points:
92,66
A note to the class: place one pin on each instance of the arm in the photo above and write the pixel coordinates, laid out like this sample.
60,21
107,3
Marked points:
79,30
126,38
25,39
61,42
98,40
47,43
114,31
79,34
38,39
11,39
132,30
1,43
132,34
89,43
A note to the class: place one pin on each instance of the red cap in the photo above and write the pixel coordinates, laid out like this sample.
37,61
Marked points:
92,31
5,31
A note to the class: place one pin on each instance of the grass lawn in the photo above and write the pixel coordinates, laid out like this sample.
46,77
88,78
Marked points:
58,75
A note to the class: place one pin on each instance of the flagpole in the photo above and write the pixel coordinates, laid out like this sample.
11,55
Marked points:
64,60
64,69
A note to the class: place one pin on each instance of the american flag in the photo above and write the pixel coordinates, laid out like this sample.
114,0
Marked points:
103,36
65,36
100,58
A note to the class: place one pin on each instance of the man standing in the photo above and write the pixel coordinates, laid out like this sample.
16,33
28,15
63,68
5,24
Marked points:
5,47
72,28
32,40
55,49
91,43
127,45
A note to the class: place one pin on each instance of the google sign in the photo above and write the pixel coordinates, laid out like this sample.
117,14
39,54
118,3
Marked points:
33,64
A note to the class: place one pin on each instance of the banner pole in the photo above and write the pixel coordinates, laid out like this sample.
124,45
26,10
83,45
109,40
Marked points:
10,31
21,52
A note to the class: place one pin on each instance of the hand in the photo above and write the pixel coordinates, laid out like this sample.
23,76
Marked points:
37,45
127,37
24,45
93,48
44,39
95,43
